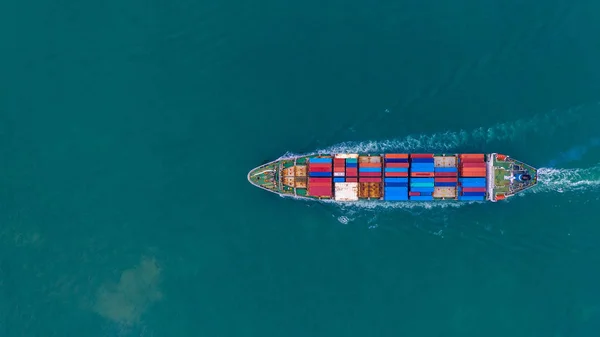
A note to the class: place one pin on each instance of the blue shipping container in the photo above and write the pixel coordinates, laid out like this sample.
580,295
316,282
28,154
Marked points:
396,184
396,180
472,180
395,197
474,194
445,184
396,169
446,169
470,197
472,185
422,160
320,160
421,167
351,164
426,193
369,169
320,174
338,180
422,180
421,198
421,189
396,160
397,189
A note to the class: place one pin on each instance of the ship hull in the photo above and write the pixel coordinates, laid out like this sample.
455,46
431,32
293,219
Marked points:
396,177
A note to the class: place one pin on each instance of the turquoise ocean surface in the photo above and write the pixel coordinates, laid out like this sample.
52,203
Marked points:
127,129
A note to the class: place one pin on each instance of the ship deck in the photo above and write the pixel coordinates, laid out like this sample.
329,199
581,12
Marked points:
289,177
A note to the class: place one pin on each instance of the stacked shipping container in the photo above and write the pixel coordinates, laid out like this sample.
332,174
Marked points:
471,189
446,176
339,170
369,176
319,181
421,165
472,165
369,172
473,172
421,177
351,169
396,176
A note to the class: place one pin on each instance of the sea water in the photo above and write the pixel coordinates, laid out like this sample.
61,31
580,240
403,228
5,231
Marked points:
127,129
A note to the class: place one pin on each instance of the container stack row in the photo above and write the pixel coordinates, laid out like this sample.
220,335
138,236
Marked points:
369,176
471,189
421,189
339,170
395,177
351,170
320,173
421,165
369,172
472,165
421,176
446,177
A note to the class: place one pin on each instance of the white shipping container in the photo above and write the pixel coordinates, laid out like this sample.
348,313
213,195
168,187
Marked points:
346,191
346,155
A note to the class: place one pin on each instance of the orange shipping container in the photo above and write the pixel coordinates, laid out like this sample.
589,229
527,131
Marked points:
472,155
472,172
474,169
396,155
471,160
370,164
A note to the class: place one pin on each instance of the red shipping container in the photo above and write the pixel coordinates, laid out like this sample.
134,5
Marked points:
421,155
320,169
351,180
445,174
370,174
397,164
472,164
318,179
445,180
352,172
414,194
421,174
396,155
474,189
338,169
321,182
320,192
369,180
396,174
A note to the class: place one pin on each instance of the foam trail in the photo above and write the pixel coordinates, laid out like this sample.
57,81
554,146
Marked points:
546,124
564,180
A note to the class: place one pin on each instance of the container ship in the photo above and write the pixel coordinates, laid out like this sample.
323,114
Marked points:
348,177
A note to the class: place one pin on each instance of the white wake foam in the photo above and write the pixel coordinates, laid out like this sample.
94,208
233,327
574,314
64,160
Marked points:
565,180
